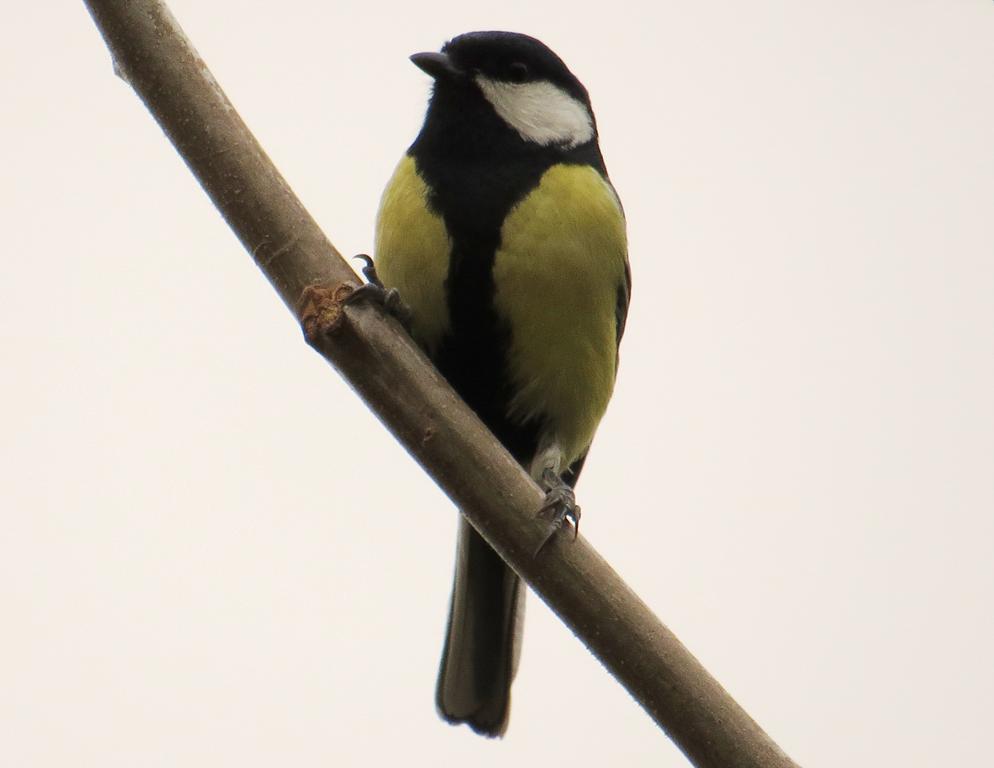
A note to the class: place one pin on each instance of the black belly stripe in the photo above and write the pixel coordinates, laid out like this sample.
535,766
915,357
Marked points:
473,355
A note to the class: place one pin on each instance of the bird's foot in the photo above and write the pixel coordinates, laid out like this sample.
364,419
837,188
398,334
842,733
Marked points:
559,507
375,292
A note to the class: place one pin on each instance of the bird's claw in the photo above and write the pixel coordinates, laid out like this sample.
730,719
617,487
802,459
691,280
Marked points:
369,271
559,507
375,292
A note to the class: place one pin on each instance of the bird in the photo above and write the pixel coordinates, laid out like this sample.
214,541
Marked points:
506,242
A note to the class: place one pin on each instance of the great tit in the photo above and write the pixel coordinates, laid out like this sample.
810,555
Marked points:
505,239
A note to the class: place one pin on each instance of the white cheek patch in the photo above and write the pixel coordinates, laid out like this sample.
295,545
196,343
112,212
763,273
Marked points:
541,112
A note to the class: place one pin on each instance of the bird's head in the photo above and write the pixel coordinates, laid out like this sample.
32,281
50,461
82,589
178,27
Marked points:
517,77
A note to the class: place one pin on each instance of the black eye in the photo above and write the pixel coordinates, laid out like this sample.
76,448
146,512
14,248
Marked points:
517,72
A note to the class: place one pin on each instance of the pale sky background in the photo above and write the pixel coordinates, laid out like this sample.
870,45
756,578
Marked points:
211,554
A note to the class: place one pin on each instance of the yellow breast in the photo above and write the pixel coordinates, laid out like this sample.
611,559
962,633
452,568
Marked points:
412,252
557,275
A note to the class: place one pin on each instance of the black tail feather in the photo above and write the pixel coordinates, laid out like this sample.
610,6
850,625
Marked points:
483,639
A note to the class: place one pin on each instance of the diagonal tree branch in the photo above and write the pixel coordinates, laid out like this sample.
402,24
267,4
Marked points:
395,379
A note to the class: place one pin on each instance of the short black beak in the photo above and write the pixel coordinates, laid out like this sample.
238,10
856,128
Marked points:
438,65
